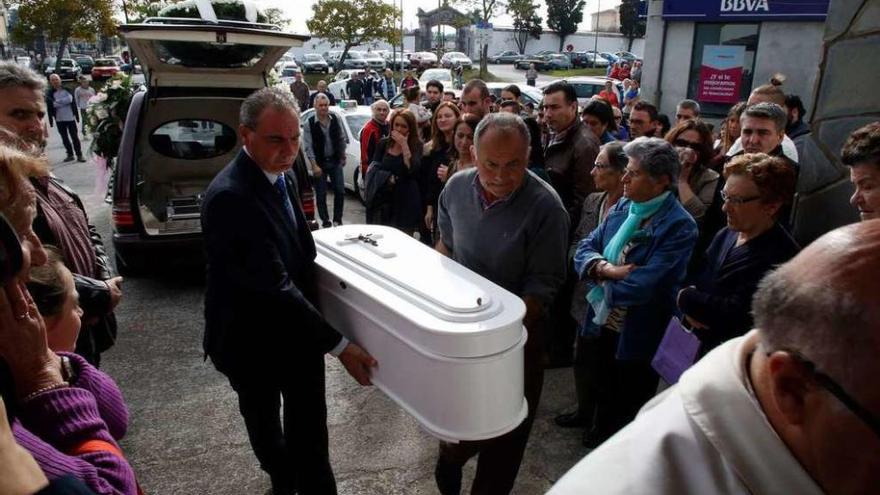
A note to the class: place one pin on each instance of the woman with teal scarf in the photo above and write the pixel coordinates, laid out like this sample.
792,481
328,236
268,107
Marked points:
634,263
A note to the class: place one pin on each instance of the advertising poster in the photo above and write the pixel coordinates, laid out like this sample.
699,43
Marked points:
721,74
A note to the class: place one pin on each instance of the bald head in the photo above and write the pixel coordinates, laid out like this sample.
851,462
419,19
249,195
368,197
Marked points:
823,302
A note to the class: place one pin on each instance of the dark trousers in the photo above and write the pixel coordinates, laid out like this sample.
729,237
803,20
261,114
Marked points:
500,458
585,367
560,342
296,456
69,136
622,386
333,175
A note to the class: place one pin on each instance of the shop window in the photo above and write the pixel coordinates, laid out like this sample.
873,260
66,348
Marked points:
723,34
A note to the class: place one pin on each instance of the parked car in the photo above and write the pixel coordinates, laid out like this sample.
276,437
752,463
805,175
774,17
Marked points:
545,61
354,60
578,59
180,131
287,72
312,62
104,68
337,87
442,75
628,56
539,59
505,57
596,59
85,63
68,69
528,94
23,60
423,60
374,60
397,61
557,61
587,86
353,118
451,59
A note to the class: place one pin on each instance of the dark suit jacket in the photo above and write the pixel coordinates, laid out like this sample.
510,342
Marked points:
260,285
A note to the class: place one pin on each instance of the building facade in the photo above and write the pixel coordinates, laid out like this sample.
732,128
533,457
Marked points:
738,44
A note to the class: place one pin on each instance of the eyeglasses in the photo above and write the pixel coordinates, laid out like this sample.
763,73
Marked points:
835,389
683,143
734,200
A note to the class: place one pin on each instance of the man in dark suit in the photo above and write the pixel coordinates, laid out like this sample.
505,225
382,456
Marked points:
262,329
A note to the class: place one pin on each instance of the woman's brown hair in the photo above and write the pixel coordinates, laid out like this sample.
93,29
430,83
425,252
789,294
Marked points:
413,139
774,177
46,283
704,149
438,138
471,121
727,139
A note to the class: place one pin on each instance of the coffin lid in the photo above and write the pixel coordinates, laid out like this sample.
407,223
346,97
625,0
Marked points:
427,280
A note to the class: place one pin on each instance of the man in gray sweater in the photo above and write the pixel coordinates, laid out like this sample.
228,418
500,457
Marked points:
509,226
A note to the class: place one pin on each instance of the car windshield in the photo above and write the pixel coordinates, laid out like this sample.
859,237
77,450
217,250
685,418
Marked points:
356,123
587,90
289,72
355,55
67,63
313,58
105,62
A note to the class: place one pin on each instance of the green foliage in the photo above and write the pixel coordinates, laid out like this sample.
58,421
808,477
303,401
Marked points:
526,22
224,10
354,22
563,16
61,20
485,10
276,16
105,115
630,25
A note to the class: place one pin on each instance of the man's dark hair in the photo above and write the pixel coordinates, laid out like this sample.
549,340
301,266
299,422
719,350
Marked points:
449,92
862,146
643,106
601,109
513,88
476,84
794,101
769,111
567,90
512,104
435,84
665,124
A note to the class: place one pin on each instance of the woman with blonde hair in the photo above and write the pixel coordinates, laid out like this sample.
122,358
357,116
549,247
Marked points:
68,415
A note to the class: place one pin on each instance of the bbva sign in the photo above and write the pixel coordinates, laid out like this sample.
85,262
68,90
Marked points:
744,6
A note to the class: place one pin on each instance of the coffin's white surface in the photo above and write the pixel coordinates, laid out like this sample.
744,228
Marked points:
449,342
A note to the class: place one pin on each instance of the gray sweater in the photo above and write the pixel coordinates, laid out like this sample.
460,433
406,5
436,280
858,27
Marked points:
519,243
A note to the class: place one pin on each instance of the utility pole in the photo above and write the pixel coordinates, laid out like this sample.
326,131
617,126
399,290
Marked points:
596,32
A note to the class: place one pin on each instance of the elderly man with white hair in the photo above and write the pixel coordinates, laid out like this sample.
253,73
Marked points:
509,226
791,407
374,130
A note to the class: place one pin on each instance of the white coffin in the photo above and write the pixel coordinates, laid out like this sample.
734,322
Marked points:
449,342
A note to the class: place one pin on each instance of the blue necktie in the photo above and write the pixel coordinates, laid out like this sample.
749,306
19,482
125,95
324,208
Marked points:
281,187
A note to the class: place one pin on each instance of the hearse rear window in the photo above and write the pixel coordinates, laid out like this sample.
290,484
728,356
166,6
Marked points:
208,55
191,139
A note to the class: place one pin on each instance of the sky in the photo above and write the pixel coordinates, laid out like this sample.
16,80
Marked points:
300,10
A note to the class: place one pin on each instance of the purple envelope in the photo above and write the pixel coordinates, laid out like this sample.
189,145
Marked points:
677,351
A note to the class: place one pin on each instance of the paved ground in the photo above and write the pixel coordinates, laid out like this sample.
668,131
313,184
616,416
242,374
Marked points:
186,436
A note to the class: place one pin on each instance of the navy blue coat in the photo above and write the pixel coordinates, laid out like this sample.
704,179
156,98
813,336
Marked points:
661,252
260,283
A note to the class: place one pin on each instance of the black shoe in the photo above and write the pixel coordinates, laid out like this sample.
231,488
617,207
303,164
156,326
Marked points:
337,223
593,438
69,158
571,420
326,224
80,159
448,477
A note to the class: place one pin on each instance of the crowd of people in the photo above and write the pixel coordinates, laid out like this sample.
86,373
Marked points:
609,223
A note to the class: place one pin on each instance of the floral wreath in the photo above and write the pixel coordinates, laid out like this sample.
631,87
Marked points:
105,115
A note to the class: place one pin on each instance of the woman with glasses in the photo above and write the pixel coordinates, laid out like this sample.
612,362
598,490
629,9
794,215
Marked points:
634,263
622,133
717,301
607,174
696,182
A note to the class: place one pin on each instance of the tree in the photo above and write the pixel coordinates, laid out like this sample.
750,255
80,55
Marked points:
353,22
486,10
563,16
274,15
62,20
526,22
631,25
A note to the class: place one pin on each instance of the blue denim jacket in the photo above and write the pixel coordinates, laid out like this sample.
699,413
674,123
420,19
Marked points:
661,252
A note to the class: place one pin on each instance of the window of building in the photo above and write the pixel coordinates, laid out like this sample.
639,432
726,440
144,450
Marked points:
723,34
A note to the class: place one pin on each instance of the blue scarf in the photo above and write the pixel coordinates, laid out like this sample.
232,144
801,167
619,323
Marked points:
638,212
